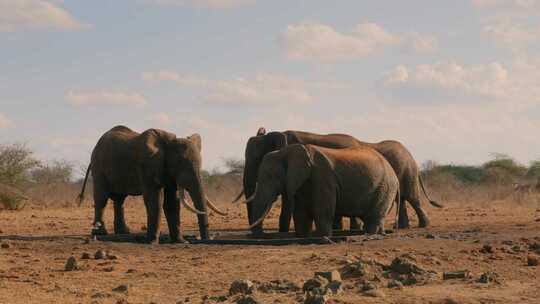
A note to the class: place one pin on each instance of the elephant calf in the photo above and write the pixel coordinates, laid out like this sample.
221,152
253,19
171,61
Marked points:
322,183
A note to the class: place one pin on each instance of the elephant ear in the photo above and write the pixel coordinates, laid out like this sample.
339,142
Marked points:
151,155
261,131
196,139
298,165
277,140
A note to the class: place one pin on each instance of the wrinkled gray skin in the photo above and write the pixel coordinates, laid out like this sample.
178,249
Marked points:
125,163
395,153
323,183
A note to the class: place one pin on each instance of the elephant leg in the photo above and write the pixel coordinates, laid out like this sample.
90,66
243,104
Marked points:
202,218
120,226
423,219
250,213
285,215
403,217
100,202
354,224
171,208
338,223
303,222
152,203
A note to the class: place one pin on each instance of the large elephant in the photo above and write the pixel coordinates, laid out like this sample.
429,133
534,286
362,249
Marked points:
395,153
322,183
125,163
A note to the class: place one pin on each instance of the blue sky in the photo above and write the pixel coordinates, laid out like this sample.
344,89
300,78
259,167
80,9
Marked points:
453,80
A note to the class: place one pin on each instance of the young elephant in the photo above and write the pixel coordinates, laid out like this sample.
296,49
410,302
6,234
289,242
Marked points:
322,183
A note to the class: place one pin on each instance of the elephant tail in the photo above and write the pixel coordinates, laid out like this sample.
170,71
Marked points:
81,195
397,202
434,203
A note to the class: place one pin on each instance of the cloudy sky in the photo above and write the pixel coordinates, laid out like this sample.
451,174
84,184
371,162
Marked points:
453,80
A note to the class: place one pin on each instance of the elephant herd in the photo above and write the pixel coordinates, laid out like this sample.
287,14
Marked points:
321,178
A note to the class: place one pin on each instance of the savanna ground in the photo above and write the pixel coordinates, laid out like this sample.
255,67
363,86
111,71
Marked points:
41,238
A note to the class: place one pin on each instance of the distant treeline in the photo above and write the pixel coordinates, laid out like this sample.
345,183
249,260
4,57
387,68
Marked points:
501,169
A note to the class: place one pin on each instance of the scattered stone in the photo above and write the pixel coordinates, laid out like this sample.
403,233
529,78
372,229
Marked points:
5,245
405,264
246,300
71,264
367,286
533,260
85,256
487,249
330,275
374,293
395,284
122,301
430,236
535,247
131,270
100,295
279,286
335,287
241,287
111,256
489,277
121,288
316,282
100,255
462,274
109,269
314,298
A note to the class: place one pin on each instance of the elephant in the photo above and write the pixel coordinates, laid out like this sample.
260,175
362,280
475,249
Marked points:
125,162
322,183
395,153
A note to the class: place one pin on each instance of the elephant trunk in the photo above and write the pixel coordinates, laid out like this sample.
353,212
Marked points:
199,200
250,181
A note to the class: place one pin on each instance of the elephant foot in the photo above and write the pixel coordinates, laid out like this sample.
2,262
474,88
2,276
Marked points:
403,223
122,230
423,223
99,229
179,240
151,241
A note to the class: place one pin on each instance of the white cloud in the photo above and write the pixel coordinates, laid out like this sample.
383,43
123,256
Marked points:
511,33
215,4
525,5
259,89
5,122
322,43
490,80
105,97
35,14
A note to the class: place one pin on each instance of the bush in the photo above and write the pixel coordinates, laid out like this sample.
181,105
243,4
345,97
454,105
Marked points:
16,163
59,171
11,198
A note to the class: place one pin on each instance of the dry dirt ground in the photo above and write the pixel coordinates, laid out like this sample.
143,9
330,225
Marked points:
39,241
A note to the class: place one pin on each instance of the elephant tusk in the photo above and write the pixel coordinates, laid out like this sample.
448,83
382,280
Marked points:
249,200
238,196
252,197
214,208
257,222
192,209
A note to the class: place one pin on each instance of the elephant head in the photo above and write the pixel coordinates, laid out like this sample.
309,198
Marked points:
257,147
283,171
167,159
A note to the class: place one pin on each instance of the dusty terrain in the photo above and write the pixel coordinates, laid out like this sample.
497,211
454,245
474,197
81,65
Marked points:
39,241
